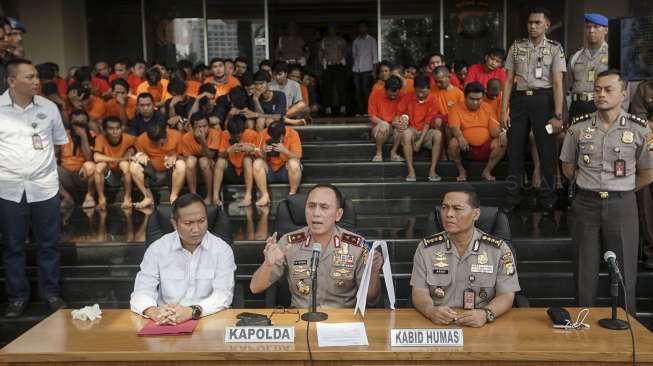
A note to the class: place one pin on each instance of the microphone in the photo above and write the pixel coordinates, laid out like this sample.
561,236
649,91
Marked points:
611,258
315,258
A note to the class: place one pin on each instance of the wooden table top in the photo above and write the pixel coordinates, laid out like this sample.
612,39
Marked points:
521,335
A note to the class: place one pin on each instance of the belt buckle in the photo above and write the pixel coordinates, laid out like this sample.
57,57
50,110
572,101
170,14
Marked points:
529,92
584,97
604,195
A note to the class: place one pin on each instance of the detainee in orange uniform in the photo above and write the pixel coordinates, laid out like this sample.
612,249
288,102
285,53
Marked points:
382,109
155,85
121,105
112,154
447,95
278,161
200,147
475,130
237,148
419,119
220,79
158,156
76,169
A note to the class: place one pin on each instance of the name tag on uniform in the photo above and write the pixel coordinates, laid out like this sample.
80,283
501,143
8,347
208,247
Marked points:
426,338
259,335
482,268
37,142
538,72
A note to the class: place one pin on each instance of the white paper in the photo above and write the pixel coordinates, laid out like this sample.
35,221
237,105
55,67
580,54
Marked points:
87,313
361,295
341,334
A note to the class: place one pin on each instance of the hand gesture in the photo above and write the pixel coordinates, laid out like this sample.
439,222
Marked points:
377,262
505,121
443,315
121,99
473,318
281,148
249,114
464,145
556,124
272,252
169,161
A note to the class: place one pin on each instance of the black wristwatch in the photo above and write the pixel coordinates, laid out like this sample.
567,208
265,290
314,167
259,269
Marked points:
197,312
490,316
558,116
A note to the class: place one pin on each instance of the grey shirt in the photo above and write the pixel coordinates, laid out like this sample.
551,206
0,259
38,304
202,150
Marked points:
292,90
585,66
594,150
524,58
487,267
338,276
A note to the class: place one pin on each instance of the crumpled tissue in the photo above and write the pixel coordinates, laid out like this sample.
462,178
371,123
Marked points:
87,313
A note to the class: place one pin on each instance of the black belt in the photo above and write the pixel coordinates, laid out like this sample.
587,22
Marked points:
604,195
533,91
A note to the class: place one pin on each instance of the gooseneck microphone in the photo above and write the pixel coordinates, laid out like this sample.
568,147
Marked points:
615,277
313,315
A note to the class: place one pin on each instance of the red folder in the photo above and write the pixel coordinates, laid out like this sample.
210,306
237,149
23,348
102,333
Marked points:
152,329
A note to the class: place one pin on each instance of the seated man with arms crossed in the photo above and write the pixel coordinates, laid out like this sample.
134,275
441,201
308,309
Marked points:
112,154
342,259
463,267
199,147
281,150
475,130
186,274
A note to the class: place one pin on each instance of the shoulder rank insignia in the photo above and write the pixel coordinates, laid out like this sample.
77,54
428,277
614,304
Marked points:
352,239
580,118
640,121
491,240
296,238
435,239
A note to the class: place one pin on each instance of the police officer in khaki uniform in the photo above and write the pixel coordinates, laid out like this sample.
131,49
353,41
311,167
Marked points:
534,92
463,267
342,259
586,63
609,154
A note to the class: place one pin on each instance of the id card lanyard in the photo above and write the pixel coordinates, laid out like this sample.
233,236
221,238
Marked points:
37,142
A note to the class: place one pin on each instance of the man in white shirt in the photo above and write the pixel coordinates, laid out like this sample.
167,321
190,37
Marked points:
30,127
187,274
365,53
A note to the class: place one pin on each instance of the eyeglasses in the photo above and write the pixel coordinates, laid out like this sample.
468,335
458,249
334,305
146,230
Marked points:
283,310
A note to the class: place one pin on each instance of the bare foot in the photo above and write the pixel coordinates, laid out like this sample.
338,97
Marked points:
537,179
173,198
102,203
461,177
89,202
292,193
489,177
247,201
126,203
145,203
263,201
207,201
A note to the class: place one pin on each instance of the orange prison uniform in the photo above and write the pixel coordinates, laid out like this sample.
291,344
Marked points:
236,159
113,108
447,99
405,89
419,114
380,106
160,92
475,125
190,146
223,88
134,81
157,154
96,108
495,104
103,146
193,88
71,160
290,140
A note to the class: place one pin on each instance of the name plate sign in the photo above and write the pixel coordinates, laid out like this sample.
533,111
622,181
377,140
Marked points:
259,335
443,337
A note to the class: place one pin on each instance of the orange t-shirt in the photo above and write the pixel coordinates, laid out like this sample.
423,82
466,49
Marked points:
157,154
305,94
475,125
494,104
223,88
380,106
406,89
71,161
103,146
100,84
160,92
236,159
113,108
193,88
419,114
290,140
190,146
96,108
379,85
447,99
134,82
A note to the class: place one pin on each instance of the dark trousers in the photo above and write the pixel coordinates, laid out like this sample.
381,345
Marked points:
599,225
645,209
578,108
363,86
531,112
44,219
334,86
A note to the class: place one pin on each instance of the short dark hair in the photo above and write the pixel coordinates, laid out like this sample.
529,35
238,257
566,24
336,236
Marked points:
139,61
228,60
214,60
280,66
617,73
156,131
339,198
472,196
496,52
177,86
422,81
83,92
46,72
153,75
79,112
110,119
459,65
474,87
262,75
123,61
294,67
185,200
247,79
428,57
385,63
207,88
184,64
238,97
83,74
120,81
393,83
540,10
242,59
197,116
199,68
236,125
143,96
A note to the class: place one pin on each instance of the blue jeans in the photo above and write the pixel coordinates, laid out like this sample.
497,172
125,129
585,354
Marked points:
15,219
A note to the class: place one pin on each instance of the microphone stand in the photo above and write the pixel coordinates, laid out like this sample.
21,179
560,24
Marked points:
314,315
614,323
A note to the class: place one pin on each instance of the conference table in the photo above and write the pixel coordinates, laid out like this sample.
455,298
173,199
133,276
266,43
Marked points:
520,337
